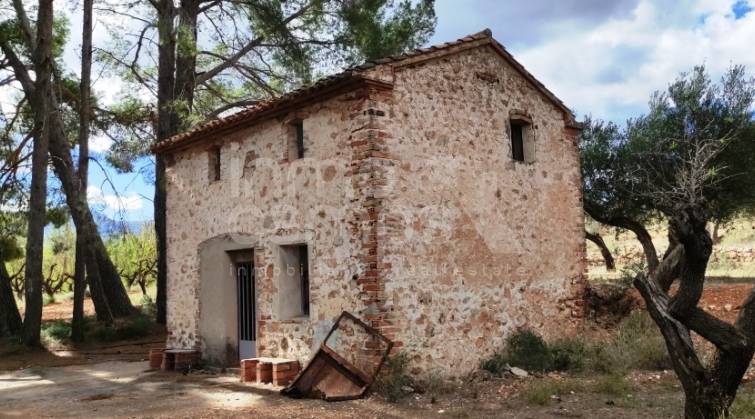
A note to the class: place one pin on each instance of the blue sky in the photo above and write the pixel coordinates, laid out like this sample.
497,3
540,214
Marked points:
603,58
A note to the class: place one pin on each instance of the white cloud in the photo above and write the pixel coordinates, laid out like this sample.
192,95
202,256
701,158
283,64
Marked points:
129,202
611,69
100,143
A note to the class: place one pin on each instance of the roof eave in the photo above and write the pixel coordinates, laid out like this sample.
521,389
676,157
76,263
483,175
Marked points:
285,104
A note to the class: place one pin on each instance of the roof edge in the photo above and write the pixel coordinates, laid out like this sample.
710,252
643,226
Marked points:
319,91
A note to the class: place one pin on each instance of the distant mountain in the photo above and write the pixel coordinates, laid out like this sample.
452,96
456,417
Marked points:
110,227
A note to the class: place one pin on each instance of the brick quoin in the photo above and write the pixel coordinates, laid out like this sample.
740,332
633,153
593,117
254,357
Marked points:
368,142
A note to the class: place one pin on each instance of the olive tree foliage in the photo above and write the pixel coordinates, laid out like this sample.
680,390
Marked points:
607,164
689,160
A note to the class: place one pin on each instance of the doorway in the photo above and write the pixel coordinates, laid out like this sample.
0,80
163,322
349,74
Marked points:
246,310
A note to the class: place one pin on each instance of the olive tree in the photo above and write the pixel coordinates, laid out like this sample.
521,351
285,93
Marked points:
690,160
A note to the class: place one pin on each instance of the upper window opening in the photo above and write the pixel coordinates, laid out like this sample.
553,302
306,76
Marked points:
214,163
517,140
522,137
299,133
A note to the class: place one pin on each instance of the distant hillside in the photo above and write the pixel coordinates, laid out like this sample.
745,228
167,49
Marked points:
110,227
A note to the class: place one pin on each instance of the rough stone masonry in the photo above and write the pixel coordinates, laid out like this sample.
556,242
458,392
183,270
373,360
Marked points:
437,194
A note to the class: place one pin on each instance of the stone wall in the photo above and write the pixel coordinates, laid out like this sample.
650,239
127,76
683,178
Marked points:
475,245
263,195
417,219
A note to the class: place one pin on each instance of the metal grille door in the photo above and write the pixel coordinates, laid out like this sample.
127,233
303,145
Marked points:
246,305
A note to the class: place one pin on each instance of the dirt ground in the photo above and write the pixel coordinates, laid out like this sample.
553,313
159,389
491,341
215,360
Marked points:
127,389
112,380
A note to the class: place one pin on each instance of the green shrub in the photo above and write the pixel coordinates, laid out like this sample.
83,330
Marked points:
391,383
496,364
542,392
569,355
130,328
637,345
527,350
48,299
743,406
613,385
56,330
148,307
434,385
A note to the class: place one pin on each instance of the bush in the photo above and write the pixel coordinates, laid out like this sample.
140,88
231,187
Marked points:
56,330
527,350
130,328
434,386
637,345
569,355
743,406
48,299
613,385
148,307
543,392
391,383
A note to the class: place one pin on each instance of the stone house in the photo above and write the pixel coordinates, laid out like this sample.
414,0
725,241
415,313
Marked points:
435,195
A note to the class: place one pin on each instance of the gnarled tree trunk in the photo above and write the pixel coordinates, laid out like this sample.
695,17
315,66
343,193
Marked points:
643,236
709,392
607,256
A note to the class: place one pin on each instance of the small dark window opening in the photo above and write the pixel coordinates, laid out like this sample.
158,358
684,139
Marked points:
304,275
299,128
214,156
517,141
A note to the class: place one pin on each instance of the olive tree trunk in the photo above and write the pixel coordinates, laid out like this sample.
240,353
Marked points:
709,391
643,236
607,256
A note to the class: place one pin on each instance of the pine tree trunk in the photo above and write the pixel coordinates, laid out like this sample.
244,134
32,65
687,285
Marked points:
79,291
161,239
96,289
42,106
166,127
113,288
79,277
10,320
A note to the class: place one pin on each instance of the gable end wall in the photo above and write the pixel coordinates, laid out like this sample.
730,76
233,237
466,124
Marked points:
475,244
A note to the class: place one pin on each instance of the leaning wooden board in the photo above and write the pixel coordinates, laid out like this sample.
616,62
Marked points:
330,376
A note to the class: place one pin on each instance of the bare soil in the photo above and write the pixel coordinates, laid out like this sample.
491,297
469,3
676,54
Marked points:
112,380
127,389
